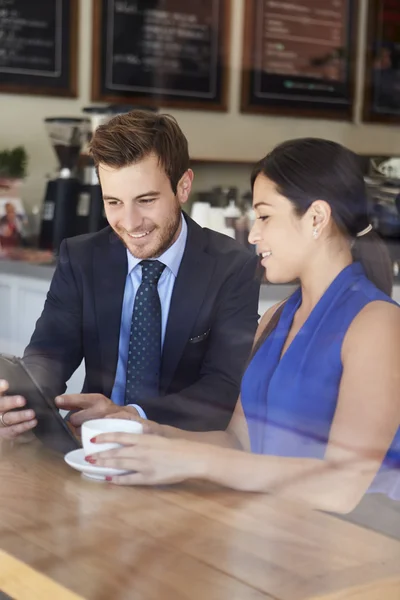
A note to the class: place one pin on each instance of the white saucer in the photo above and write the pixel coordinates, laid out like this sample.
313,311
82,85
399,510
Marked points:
76,460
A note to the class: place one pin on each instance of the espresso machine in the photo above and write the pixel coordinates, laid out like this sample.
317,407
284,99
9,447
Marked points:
98,115
383,187
59,220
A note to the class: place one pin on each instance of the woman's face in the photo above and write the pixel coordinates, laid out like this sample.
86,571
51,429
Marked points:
284,240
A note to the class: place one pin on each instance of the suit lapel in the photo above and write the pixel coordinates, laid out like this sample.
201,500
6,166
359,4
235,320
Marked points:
110,270
190,287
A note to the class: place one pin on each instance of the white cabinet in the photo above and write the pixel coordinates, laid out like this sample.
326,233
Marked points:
21,303
22,299
5,309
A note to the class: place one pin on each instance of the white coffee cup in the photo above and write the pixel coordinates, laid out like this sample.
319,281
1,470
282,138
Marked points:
93,428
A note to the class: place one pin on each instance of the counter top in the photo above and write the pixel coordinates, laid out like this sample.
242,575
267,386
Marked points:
183,542
28,262
27,269
45,271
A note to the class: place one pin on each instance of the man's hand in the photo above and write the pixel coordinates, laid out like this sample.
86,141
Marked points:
14,423
93,406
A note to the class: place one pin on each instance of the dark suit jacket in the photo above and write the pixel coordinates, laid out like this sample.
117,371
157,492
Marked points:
211,325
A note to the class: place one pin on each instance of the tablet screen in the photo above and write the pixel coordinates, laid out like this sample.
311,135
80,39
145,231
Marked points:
52,430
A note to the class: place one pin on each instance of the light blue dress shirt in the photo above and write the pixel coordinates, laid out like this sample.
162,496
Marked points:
172,259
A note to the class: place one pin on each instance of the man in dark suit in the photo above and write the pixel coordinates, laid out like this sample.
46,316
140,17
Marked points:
162,311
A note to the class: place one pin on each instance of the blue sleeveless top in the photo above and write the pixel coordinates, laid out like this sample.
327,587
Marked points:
290,403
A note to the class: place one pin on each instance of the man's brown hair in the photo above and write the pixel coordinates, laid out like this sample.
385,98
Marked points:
131,137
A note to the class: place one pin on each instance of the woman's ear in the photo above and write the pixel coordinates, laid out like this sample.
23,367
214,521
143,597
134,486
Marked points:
320,213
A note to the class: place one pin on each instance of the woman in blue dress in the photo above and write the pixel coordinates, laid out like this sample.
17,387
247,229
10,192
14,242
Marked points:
319,413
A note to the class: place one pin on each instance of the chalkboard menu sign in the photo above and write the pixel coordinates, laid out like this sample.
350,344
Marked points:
382,74
299,57
38,46
161,52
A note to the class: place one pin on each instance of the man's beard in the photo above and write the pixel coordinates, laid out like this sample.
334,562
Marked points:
164,238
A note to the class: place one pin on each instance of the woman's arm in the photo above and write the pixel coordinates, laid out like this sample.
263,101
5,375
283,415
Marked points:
365,422
234,437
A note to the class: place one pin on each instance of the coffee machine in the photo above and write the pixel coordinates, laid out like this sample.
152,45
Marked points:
59,219
98,115
383,188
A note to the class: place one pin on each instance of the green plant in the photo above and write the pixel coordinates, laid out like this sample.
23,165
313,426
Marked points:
13,163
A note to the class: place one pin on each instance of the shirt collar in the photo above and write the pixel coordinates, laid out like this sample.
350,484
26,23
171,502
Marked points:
171,258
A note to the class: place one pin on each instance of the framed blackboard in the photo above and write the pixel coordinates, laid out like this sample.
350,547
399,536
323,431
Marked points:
382,73
299,58
38,47
161,52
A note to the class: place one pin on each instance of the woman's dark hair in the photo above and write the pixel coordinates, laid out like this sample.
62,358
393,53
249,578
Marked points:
310,169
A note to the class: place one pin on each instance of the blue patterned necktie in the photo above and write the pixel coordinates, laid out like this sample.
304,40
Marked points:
144,357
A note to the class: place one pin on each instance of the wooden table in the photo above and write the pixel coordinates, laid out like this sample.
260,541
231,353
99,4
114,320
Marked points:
189,542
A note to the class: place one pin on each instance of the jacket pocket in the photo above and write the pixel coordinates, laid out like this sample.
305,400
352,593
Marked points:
199,338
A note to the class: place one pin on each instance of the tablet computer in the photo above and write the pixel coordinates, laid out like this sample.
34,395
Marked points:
52,430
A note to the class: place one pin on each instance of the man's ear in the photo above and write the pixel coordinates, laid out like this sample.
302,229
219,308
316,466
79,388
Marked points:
185,186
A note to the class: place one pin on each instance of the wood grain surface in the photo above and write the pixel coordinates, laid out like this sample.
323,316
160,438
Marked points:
21,582
189,542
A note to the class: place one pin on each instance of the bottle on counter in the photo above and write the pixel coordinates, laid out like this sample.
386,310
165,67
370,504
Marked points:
242,230
201,210
247,200
232,214
217,218
217,210
243,219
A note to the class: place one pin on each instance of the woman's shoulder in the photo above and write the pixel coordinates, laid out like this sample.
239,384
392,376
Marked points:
378,312
366,289
355,299
377,323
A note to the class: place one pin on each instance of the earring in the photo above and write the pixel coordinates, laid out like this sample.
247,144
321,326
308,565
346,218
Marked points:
315,233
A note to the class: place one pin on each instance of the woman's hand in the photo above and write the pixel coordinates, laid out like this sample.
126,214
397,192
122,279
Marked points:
149,427
154,460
